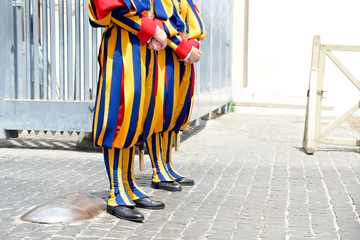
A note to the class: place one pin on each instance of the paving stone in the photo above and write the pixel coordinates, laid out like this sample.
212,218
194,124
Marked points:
144,238
121,234
93,232
252,180
62,238
87,238
40,234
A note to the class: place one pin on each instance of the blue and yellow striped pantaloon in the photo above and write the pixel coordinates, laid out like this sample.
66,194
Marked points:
124,108
174,95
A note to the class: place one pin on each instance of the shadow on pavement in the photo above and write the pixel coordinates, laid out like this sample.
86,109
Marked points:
66,141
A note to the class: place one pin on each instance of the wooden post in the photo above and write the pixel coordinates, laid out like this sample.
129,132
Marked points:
141,157
313,110
177,141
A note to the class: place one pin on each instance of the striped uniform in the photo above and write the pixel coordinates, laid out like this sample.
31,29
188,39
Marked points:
125,100
176,79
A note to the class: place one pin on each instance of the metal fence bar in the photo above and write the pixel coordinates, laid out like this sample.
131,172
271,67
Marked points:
86,50
6,54
45,49
10,91
229,48
230,43
224,61
28,61
220,53
6,57
61,51
77,51
17,91
35,35
227,43
70,68
196,106
53,51
197,93
94,64
222,66
211,57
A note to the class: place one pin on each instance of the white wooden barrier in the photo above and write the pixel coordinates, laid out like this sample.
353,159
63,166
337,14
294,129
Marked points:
313,134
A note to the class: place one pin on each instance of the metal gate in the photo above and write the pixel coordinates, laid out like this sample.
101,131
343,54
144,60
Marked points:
51,52
48,62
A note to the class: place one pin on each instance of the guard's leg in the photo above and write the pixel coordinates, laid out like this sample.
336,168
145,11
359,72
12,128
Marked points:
136,194
161,177
167,143
134,191
114,165
119,202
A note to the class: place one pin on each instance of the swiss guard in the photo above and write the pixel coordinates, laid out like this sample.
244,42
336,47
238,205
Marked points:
174,99
131,90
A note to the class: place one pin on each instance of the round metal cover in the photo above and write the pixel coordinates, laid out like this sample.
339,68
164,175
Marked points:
66,208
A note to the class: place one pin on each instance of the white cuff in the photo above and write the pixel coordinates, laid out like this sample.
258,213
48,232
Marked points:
192,48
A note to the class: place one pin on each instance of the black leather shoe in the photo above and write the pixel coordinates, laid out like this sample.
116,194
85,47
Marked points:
126,212
148,203
168,186
185,181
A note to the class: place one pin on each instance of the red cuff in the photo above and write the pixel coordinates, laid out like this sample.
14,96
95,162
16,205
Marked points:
183,49
159,23
147,30
194,43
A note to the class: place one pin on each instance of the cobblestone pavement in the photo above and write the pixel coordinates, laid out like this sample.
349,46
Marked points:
253,181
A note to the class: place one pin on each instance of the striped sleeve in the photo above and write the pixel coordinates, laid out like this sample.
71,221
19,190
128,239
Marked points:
124,13
194,22
100,10
143,27
174,27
